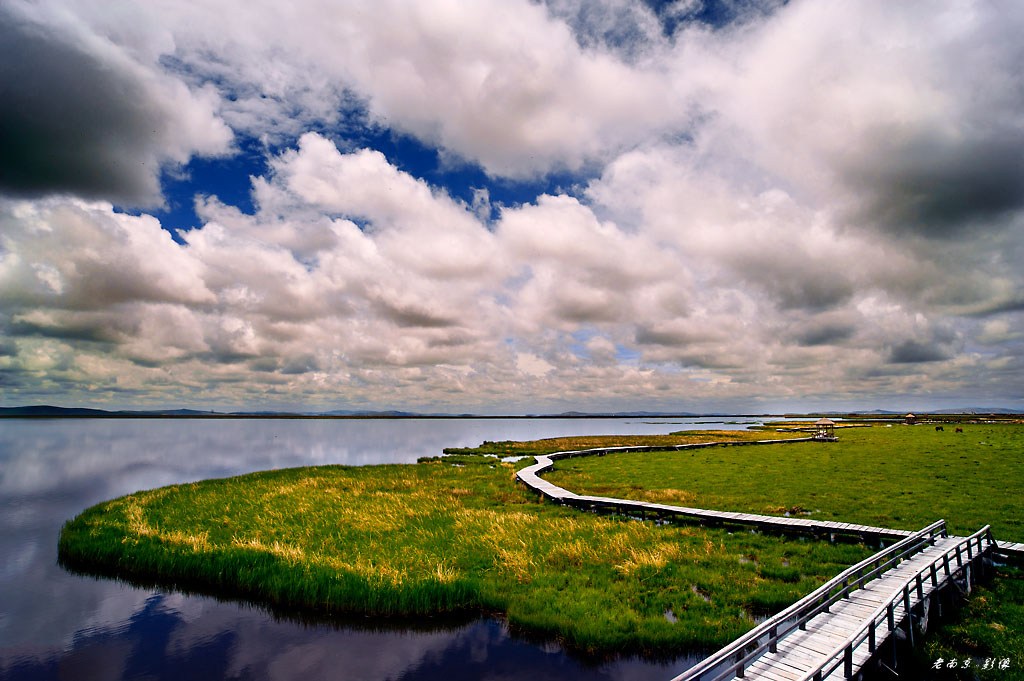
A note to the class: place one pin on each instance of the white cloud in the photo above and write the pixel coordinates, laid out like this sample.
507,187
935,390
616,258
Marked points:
823,199
503,84
73,254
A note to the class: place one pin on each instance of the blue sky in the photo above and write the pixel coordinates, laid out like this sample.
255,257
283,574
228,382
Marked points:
512,206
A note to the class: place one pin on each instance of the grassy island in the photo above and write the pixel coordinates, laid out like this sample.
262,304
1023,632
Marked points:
457,534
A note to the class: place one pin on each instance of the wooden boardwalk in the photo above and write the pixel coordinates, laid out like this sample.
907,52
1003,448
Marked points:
837,637
530,476
834,631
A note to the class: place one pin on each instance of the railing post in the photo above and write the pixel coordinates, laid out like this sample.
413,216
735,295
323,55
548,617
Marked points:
848,661
739,665
920,587
773,639
910,620
871,636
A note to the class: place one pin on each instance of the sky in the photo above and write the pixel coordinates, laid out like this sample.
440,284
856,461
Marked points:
510,207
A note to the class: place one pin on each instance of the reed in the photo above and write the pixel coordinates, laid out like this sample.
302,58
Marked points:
449,536
456,534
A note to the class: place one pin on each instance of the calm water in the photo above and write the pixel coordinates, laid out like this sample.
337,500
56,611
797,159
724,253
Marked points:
54,625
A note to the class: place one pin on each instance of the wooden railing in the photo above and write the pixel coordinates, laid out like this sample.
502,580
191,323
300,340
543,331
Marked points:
974,547
731,661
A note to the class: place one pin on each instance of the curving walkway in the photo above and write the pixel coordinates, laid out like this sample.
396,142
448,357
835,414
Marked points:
530,477
834,631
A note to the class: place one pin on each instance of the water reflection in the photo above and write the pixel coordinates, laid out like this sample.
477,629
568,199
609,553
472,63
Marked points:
172,637
57,625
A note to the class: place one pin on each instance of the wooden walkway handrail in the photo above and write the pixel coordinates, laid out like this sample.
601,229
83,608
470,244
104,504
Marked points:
885,613
730,661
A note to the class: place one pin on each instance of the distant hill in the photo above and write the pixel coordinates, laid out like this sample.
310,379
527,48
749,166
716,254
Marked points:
349,412
48,410
977,410
621,414
902,412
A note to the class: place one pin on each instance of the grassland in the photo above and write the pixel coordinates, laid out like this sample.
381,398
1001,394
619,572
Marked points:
456,534
900,476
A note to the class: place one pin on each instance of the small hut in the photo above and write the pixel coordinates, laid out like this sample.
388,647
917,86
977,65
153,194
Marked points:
910,419
825,429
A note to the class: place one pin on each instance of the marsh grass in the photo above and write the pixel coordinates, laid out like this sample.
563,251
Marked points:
455,534
989,627
891,476
558,444
450,536
899,476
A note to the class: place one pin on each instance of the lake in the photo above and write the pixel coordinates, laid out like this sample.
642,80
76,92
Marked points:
55,625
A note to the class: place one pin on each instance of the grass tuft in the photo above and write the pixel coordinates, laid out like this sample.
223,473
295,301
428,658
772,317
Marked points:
456,534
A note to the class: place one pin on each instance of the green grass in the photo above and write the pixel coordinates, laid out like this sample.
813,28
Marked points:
450,536
898,476
558,444
989,627
901,476
457,534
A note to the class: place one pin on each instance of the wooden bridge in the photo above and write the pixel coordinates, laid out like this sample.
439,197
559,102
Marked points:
834,631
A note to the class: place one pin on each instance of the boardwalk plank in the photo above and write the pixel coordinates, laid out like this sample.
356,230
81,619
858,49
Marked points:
828,632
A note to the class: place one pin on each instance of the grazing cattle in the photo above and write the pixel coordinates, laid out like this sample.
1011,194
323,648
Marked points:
959,430
938,428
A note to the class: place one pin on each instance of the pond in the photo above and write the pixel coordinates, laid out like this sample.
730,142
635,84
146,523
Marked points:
55,625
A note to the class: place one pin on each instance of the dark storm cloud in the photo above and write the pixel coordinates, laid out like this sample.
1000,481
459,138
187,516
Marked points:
68,122
92,332
937,187
8,348
85,121
674,336
1015,305
411,316
301,365
807,283
912,352
824,334
816,293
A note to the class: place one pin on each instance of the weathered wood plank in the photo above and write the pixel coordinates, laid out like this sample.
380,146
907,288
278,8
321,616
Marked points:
828,633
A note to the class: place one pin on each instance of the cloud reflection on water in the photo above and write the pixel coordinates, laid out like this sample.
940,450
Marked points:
57,625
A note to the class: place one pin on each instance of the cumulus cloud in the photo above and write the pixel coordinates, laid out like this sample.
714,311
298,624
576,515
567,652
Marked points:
502,84
79,115
814,199
909,114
